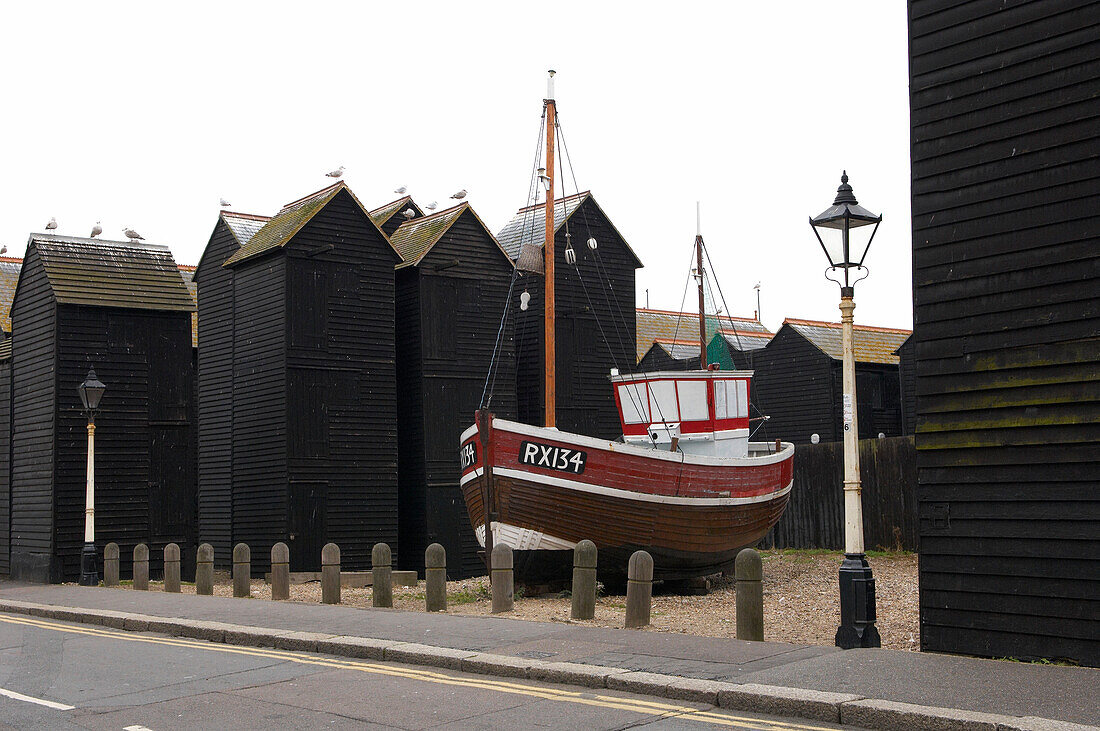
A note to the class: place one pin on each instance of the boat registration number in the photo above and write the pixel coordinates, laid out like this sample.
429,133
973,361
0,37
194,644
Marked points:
552,458
469,454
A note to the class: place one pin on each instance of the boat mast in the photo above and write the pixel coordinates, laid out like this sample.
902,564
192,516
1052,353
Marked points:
551,391
702,301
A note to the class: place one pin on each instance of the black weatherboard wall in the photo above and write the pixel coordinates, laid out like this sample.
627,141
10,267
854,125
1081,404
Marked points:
1006,208
585,402
5,454
124,309
314,415
451,293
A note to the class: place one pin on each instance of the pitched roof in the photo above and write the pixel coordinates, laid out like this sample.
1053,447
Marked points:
678,349
384,213
745,341
103,273
683,327
414,239
9,277
871,344
528,225
244,225
188,274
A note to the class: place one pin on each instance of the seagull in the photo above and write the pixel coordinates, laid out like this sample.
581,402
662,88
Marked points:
224,203
52,224
409,213
3,249
432,206
402,189
459,195
97,229
132,234
335,173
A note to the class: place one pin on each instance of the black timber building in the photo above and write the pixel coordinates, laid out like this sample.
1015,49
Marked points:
452,288
122,308
395,213
1005,108
798,382
584,356
307,316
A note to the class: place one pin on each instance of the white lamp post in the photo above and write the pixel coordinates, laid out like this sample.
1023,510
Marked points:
91,392
844,231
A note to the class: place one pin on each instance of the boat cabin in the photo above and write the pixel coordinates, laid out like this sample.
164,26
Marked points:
698,412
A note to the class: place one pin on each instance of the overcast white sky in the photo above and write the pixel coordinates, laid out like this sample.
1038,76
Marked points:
144,114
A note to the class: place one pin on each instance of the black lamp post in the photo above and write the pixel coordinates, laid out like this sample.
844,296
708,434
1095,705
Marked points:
91,392
844,231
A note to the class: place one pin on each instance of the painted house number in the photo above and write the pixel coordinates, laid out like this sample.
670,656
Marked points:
552,458
469,454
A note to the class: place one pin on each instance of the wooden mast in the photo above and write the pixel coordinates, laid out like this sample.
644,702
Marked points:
551,391
702,300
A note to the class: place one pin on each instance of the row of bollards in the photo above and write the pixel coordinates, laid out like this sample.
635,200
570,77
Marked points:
748,571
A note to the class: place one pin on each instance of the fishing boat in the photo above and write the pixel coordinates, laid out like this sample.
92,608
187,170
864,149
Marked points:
685,482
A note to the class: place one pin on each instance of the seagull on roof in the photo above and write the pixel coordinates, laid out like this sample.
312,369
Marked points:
459,195
97,229
409,213
52,224
224,203
401,189
335,173
432,206
3,249
132,234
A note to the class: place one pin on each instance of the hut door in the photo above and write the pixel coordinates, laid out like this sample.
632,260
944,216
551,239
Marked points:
171,491
307,524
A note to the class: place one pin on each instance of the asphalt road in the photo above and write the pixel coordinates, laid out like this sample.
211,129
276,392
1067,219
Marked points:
74,676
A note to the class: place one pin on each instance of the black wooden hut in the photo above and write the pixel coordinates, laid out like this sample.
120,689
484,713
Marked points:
451,292
395,213
798,381
5,456
669,355
123,309
215,379
312,394
1005,188
598,293
906,354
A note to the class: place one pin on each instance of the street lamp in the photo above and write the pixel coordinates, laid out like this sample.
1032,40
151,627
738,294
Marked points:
844,231
91,392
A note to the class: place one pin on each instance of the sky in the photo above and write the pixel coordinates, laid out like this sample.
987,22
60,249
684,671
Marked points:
146,114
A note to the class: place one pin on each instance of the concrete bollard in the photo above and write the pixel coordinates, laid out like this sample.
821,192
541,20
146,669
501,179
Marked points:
172,568
381,563
584,581
748,569
503,579
280,571
435,578
141,567
204,570
110,564
242,570
639,589
330,574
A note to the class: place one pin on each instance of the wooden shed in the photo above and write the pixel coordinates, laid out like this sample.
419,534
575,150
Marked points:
451,292
798,381
736,349
681,329
1005,192
395,213
215,379
5,456
123,308
308,319
596,294
670,355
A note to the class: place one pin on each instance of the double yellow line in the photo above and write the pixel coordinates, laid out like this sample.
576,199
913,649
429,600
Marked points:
651,708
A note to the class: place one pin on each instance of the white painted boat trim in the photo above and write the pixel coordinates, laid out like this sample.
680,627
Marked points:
523,539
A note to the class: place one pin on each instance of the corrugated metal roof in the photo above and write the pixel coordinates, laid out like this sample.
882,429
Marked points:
9,277
384,213
528,226
681,326
112,273
871,344
276,232
244,225
188,274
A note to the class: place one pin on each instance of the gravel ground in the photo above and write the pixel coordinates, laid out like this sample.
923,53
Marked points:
801,604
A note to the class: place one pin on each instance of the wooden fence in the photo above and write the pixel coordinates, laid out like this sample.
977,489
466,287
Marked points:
815,515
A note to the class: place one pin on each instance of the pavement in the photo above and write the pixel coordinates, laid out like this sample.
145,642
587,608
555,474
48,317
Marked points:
879,689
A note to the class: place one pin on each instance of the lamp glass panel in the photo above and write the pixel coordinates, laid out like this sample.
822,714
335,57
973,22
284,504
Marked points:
832,237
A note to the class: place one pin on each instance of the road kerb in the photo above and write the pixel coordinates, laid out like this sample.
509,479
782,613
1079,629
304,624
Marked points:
504,666
889,715
673,687
782,701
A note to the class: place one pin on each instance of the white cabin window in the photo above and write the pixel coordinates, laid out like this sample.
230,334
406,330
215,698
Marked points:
742,399
634,398
731,399
693,400
662,401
